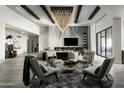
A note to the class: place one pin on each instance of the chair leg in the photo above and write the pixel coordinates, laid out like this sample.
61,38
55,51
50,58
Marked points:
30,86
40,83
33,77
107,78
56,76
100,82
84,76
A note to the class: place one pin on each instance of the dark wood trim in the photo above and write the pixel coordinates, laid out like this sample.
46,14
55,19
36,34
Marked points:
78,13
101,43
105,42
122,56
30,12
96,44
94,12
47,13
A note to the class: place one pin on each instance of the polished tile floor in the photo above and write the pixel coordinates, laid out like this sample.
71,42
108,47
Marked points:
11,72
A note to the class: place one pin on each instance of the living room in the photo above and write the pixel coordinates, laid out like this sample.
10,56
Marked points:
71,40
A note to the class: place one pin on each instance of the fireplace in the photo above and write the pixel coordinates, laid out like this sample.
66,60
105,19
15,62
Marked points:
62,55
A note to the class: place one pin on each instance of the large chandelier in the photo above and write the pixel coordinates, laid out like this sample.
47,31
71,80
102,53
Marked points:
62,16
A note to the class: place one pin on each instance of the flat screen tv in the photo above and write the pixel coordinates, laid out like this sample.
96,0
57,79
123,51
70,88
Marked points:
70,41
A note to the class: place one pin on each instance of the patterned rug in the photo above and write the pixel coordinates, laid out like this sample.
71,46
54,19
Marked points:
72,80
67,79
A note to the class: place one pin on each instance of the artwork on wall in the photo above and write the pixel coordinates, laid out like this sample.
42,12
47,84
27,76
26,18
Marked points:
9,37
15,40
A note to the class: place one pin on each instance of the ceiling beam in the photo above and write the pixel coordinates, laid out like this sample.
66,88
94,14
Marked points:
78,13
94,12
47,13
30,12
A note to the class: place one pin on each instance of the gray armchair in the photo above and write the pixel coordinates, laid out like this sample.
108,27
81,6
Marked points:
88,58
38,71
102,71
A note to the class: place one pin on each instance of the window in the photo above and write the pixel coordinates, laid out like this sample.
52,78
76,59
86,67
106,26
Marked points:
104,42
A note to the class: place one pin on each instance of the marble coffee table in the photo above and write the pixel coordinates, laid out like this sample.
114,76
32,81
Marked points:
70,68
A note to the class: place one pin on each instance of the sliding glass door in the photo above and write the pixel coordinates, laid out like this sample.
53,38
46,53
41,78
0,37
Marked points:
108,42
104,42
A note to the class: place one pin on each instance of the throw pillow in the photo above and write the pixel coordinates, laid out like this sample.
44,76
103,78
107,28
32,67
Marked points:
97,70
44,68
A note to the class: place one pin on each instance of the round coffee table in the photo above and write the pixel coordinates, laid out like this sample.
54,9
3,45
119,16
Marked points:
69,68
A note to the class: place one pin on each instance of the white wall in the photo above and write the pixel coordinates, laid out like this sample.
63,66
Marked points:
92,37
2,40
122,35
43,38
117,23
54,37
22,40
17,20
104,23
7,16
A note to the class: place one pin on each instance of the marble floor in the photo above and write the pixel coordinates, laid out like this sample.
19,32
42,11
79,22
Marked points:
11,72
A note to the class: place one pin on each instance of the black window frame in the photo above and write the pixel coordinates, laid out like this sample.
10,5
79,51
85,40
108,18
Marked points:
100,32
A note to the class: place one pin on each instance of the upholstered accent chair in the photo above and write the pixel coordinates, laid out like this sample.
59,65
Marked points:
88,58
98,73
40,71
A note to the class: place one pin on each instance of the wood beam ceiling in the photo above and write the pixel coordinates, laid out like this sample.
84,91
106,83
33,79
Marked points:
78,13
47,13
94,12
30,12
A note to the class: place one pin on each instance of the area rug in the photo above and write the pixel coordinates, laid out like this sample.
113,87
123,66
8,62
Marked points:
72,80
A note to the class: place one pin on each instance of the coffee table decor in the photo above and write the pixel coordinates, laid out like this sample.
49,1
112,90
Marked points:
70,63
